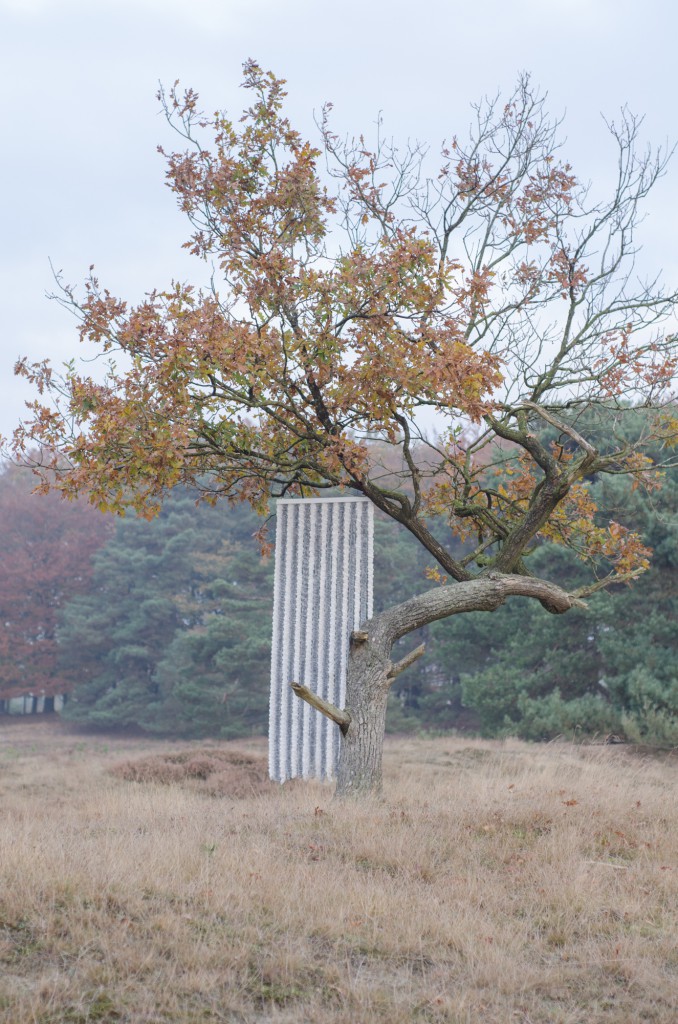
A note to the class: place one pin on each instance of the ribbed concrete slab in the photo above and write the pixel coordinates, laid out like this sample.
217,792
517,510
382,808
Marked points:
323,591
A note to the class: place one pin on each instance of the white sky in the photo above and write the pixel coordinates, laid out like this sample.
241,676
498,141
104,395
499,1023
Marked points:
81,181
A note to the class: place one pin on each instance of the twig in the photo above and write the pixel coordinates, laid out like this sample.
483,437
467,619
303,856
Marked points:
565,427
405,662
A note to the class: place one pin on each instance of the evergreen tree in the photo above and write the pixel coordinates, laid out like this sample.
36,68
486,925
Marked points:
639,628
214,679
160,611
610,668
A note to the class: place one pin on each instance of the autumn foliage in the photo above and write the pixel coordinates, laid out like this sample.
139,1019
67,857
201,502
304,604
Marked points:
358,287
47,544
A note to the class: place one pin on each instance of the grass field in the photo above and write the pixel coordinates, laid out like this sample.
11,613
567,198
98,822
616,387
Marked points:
498,883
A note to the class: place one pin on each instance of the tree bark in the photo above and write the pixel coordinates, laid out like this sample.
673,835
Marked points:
367,686
371,671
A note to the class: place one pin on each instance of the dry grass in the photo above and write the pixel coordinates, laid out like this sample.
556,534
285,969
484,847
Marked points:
225,771
498,883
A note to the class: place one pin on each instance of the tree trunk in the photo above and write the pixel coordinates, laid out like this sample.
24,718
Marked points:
371,671
367,687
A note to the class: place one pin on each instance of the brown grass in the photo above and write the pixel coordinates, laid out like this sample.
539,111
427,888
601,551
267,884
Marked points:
498,883
218,772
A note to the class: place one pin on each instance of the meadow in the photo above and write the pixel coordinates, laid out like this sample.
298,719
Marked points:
157,882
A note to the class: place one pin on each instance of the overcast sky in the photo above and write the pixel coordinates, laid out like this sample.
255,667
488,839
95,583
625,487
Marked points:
81,181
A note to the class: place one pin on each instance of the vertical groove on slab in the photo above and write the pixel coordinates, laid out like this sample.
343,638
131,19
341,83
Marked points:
321,640
296,643
369,574
342,650
287,645
358,577
310,640
330,661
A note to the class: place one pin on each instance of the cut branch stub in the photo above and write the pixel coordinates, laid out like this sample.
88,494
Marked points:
342,718
359,636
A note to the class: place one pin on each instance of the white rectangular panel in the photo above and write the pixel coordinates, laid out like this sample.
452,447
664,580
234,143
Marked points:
322,591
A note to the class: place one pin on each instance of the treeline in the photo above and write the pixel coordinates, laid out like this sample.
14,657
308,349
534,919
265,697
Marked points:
47,546
166,626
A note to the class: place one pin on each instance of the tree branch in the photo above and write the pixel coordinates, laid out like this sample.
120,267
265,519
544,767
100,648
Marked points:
484,594
564,427
606,581
342,718
409,659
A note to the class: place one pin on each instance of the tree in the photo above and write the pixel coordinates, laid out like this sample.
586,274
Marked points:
489,290
113,636
47,546
214,679
612,667
173,635
637,636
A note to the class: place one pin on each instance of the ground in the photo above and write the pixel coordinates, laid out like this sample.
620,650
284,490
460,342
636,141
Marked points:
497,883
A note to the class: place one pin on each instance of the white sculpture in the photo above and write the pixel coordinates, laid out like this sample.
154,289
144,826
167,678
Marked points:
322,591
